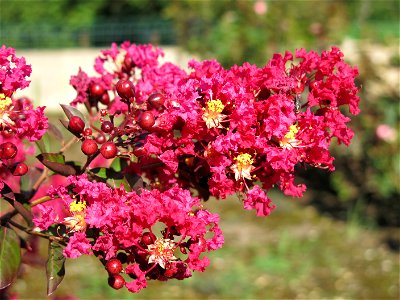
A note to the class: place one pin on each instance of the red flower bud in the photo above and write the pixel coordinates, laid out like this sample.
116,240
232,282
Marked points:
108,150
125,89
76,124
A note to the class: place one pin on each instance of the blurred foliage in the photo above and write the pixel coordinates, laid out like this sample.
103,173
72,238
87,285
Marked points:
71,23
234,31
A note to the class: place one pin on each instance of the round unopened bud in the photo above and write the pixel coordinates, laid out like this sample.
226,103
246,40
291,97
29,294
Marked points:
156,100
114,266
148,238
125,89
89,147
8,150
20,170
108,150
107,126
76,124
146,120
96,90
116,282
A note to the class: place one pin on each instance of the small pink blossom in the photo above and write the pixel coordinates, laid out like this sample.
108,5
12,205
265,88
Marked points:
386,133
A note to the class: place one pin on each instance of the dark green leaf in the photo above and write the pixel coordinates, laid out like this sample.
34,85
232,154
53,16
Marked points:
135,181
25,211
65,170
64,123
7,193
55,267
10,256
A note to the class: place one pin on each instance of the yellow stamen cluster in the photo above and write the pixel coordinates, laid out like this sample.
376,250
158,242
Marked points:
77,206
76,222
289,141
244,160
215,106
243,166
5,102
213,114
292,132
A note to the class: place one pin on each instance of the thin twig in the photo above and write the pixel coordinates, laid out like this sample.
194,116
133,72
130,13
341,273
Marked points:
40,180
37,233
69,144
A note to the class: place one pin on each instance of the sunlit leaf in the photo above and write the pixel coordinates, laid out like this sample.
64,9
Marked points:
54,157
10,256
106,173
55,267
119,164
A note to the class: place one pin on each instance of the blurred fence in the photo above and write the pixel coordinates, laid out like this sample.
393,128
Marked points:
101,33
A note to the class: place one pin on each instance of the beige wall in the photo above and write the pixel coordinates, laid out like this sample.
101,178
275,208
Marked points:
52,69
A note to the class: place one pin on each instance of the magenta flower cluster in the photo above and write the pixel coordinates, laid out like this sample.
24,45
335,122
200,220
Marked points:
230,129
19,120
159,139
161,235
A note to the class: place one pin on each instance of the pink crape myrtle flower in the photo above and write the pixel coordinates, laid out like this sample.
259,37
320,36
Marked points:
128,222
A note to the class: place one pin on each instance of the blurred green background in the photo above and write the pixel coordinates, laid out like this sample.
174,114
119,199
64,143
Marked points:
342,239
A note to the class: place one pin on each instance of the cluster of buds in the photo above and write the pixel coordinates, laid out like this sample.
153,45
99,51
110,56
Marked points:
156,135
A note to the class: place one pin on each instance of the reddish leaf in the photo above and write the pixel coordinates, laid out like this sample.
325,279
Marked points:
56,163
72,111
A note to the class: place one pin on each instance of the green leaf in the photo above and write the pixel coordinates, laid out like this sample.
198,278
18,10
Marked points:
10,256
106,173
42,145
119,164
55,267
53,157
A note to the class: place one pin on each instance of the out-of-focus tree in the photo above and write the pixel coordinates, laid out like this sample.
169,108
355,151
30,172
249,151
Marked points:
63,23
239,30
235,31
